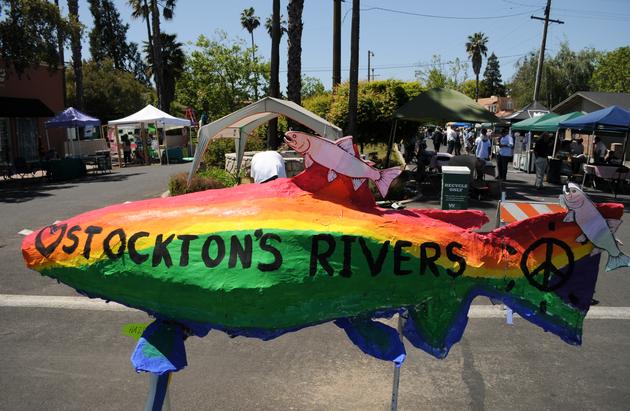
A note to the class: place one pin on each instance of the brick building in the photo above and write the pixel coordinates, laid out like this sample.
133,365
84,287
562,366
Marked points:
26,102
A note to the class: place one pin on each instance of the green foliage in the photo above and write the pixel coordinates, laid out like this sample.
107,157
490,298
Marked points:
564,74
28,33
216,78
613,72
108,40
210,179
311,86
173,61
378,100
435,74
216,151
492,85
109,93
469,88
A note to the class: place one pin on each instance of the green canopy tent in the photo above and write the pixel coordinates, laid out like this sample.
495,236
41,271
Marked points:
440,105
552,124
526,125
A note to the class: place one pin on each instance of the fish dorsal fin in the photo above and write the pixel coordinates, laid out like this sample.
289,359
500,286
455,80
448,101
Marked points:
345,143
613,224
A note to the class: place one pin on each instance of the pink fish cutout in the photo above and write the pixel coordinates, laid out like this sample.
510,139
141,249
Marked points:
339,157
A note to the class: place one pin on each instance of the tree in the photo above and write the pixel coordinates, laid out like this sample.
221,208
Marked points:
250,22
377,102
611,74
274,81
75,45
476,49
492,85
108,40
353,94
29,33
269,23
294,58
468,87
434,75
564,74
311,86
173,61
110,93
217,76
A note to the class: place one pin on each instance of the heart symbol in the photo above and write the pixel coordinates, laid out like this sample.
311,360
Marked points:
50,231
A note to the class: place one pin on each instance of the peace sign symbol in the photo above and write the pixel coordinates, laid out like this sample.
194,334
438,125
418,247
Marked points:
546,268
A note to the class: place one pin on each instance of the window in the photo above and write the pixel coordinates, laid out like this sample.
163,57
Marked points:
5,147
27,141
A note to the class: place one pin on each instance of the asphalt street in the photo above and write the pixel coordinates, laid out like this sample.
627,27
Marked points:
76,358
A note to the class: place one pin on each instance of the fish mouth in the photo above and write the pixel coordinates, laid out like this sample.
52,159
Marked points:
291,140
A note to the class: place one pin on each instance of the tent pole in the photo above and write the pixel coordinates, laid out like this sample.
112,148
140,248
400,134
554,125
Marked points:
168,162
118,147
392,136
48,140
555,144
625,147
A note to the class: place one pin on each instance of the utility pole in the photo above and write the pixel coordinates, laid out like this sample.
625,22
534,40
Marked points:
541,56
336,77
370,54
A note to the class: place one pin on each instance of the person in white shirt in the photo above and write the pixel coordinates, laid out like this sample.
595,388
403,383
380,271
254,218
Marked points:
267,166
483,146
451,138
600,150
506,151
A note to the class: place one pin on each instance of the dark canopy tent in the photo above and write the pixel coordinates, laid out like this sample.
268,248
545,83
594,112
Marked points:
70,118
440,105
531,110
530,123
609,119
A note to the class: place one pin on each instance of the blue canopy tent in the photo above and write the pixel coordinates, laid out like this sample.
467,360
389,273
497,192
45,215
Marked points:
609,119
70,118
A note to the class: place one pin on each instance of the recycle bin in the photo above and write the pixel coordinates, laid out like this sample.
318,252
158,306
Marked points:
455,186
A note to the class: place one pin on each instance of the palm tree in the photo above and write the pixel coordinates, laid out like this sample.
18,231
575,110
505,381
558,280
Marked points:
294,60
476,48
353,98
274,83
250,22
269,23
75,46
173,60
146,9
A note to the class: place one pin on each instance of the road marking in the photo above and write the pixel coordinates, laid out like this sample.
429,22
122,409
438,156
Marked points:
96,304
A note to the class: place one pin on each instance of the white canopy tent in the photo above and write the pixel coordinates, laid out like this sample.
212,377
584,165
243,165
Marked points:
149,115
239,124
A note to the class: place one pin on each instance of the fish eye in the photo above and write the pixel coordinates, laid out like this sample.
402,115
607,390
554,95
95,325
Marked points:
573,190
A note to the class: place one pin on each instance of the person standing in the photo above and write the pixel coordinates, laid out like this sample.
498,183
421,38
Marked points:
451,138
541,151
458,141
483,146
506,151
437,138
600,150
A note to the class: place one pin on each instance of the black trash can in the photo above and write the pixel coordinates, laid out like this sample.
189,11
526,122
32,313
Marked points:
553,172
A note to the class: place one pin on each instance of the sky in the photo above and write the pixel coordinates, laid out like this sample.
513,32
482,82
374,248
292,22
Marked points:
403,35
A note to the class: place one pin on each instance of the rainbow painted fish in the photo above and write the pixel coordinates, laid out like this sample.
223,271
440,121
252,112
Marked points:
263,260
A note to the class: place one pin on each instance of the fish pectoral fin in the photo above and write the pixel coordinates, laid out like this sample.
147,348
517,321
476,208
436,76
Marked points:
160,349
374,338
331,175
436,324
613,224
345,143
308,161
581,239
570,217
356,183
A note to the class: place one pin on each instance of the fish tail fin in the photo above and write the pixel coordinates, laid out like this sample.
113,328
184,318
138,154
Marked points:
615,262
385,180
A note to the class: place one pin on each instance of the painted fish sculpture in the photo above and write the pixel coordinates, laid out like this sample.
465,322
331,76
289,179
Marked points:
596,229
263,260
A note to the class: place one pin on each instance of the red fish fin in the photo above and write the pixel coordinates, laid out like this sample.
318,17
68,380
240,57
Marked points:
386,178
345,143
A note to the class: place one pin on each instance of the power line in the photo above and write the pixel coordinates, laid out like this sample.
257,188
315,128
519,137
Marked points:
435,16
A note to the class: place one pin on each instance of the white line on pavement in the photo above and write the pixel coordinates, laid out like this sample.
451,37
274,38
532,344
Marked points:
84,303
